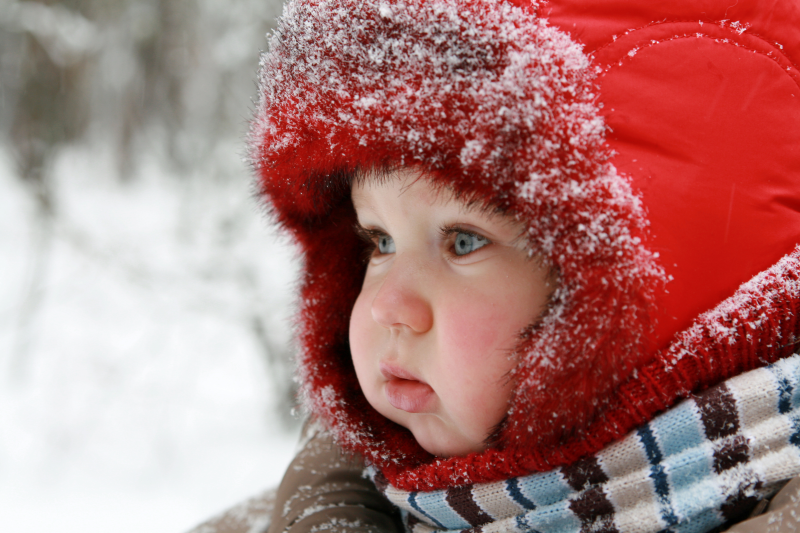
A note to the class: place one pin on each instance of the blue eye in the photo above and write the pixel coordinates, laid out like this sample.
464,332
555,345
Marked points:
385,244
468,242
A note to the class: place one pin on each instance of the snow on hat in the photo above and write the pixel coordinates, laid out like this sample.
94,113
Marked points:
498,104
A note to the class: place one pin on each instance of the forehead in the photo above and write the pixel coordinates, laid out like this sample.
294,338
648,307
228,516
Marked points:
423,187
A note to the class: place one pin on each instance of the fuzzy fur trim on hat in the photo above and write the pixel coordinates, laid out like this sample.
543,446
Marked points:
497,105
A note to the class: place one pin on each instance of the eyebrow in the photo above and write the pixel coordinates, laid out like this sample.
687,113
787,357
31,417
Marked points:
381,175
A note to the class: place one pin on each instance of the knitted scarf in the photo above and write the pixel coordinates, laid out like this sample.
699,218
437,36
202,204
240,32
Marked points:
704,463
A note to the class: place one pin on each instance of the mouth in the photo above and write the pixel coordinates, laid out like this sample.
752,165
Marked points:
405,391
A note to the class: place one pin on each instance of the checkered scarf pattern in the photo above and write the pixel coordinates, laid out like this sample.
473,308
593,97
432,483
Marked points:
704,463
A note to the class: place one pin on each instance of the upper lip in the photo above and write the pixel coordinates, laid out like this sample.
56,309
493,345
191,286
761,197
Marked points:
391,372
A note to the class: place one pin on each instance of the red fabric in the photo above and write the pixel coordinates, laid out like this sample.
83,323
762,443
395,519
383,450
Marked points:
730,209
702,104
595,23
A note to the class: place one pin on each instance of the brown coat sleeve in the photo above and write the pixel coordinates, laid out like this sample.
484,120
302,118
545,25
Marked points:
782,514
325,490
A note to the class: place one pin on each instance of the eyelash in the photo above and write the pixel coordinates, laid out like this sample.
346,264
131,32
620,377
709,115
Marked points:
370,237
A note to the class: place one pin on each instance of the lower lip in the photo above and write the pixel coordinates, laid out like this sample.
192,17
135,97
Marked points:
408,395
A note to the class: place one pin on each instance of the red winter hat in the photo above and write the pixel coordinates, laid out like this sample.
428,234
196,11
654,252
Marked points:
497,103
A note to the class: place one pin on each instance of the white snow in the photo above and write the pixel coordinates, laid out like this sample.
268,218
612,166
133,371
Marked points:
136,392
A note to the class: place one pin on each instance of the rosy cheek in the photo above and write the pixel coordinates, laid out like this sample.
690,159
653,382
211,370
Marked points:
474,357
477,330
473,324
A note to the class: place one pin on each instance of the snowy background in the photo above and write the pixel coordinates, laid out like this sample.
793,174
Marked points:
144,299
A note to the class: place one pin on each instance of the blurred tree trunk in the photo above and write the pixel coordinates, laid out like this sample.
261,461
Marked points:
49,111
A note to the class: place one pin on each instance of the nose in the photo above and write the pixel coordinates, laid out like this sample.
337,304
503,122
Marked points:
403,299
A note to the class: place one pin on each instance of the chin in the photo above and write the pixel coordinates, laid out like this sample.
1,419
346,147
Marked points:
437,442
431,433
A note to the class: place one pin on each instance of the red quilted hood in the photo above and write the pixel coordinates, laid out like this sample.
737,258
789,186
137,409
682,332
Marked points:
653,153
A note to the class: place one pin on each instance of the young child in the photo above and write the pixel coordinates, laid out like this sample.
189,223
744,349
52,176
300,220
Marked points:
526,231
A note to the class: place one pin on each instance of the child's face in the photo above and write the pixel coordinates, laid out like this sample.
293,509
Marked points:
448,290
